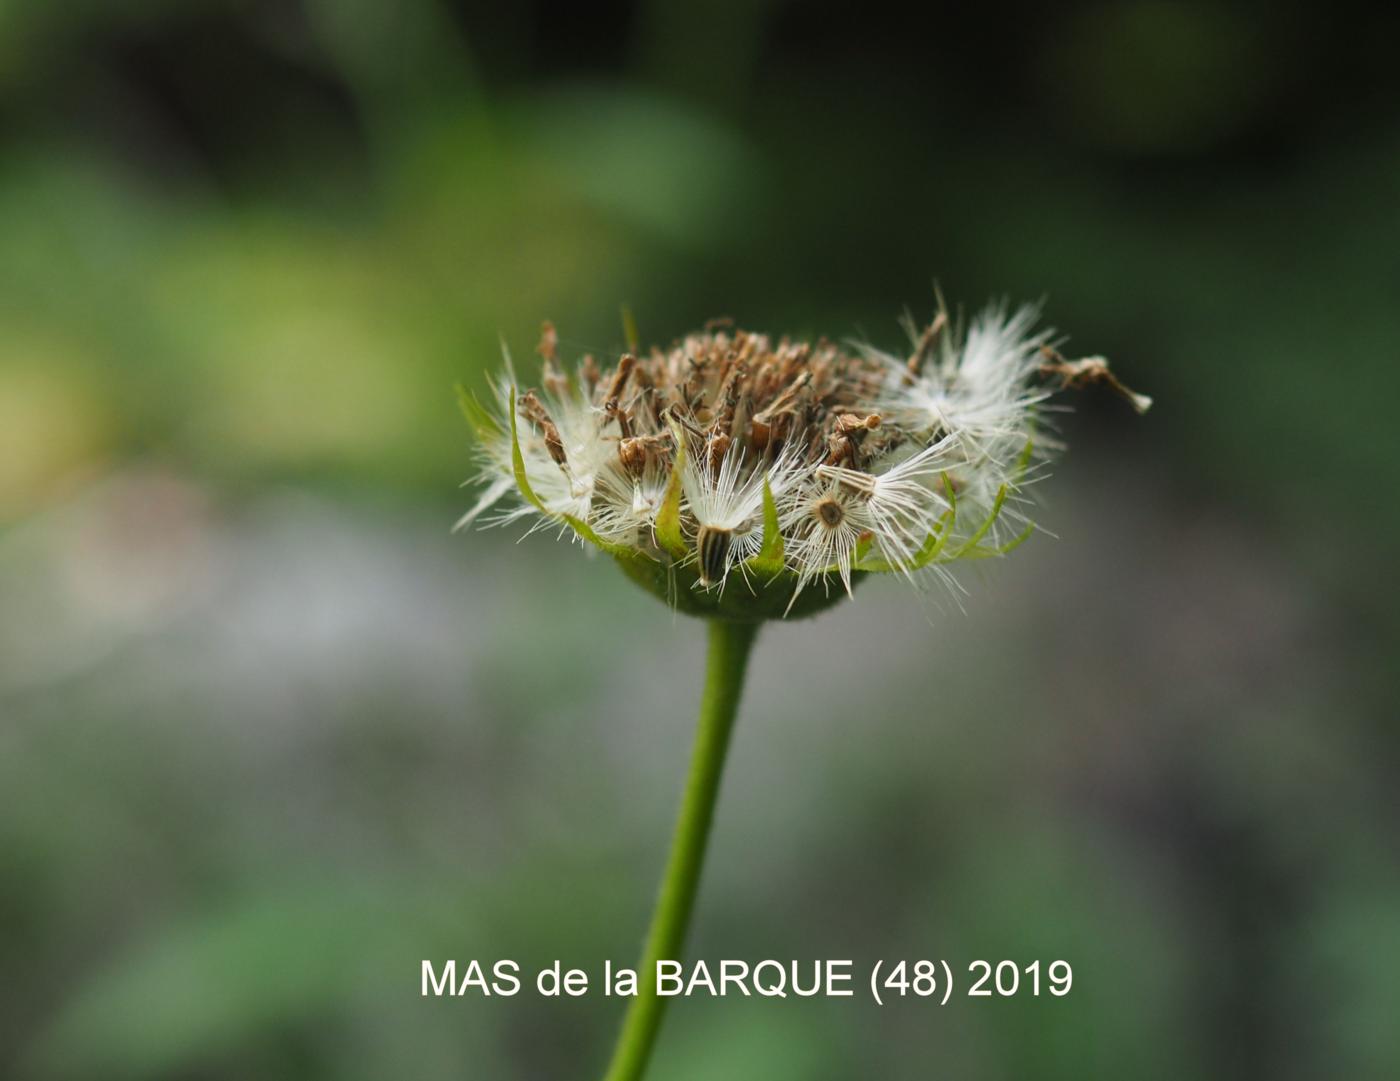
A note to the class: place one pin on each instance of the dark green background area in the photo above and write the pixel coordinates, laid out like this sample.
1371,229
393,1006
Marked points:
269,735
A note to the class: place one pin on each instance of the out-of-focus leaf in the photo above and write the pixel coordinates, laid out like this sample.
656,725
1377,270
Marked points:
217,981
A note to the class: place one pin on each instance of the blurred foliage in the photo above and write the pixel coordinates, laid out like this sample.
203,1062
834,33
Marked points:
269,737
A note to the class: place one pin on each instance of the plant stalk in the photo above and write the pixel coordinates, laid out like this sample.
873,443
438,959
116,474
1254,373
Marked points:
727,660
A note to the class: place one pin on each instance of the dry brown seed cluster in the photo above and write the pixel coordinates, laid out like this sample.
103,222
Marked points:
789,460
729,390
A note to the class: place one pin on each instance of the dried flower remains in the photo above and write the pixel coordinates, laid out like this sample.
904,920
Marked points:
741,477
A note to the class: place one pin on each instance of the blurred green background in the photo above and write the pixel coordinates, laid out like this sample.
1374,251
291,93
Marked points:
269,735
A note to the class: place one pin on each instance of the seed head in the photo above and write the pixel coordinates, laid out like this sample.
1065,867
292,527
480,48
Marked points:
731,473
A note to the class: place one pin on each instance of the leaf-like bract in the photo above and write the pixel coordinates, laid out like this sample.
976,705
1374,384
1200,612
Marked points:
668,518
486,427
769,559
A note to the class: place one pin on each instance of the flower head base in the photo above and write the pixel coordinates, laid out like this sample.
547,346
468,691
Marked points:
746,479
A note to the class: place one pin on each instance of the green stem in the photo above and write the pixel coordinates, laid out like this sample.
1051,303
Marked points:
730,645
